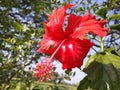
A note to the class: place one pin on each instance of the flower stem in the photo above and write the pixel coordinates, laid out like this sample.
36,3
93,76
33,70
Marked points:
102,44
51,58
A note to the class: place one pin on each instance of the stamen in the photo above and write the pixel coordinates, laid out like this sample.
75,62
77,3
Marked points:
44,70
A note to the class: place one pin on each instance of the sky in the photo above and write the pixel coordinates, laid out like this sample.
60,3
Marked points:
74,80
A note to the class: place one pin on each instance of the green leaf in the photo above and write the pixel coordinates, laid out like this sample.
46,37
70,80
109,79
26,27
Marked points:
90,60
103,76
115,16
103,70
84,84
32,85
115,26
102,12
42,31
68,72
20,86
110,56
67,77
18,26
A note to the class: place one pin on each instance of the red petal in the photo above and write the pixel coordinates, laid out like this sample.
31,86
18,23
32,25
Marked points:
79,26
72,53
54,32
58,16
47,43
54,26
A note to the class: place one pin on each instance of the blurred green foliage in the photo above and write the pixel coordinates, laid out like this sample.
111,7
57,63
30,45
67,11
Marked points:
20,34
20,85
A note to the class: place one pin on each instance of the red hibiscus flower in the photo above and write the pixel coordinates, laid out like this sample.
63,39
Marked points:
69,45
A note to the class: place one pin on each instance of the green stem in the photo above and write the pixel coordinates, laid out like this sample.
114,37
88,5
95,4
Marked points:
102,44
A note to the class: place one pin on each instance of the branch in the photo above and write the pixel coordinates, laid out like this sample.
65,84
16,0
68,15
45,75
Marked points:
114,31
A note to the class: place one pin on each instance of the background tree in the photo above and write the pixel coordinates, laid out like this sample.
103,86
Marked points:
20,24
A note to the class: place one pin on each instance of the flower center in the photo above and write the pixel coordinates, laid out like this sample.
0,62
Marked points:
51,58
